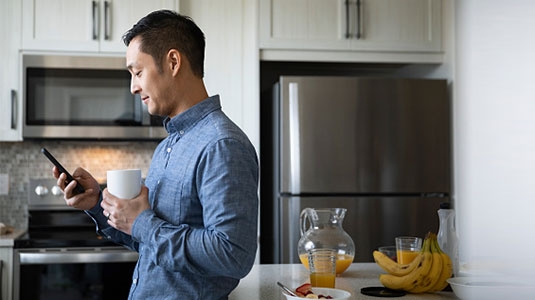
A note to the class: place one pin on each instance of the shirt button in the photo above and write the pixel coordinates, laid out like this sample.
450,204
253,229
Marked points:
169,150
181,132
134,281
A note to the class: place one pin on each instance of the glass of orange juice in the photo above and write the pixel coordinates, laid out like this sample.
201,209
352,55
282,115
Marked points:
407,248
322,267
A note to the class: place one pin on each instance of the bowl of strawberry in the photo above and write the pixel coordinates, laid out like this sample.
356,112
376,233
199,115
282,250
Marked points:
309,292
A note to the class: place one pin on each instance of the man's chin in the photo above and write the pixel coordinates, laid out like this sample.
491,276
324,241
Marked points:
156,114
152,111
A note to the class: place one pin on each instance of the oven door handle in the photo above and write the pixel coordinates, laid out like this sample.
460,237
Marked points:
74,257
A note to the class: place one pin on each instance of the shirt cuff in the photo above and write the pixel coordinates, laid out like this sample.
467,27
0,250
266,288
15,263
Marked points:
143,225
96,215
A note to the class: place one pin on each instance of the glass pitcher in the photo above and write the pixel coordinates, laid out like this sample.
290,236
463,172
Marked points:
325,231
447,235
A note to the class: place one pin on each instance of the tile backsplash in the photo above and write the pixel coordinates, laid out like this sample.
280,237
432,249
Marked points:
23,160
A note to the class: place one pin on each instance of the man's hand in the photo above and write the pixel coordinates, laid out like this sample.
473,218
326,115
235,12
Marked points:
86,200
122,213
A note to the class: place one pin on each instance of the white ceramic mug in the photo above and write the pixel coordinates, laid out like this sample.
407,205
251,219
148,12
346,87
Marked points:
125,184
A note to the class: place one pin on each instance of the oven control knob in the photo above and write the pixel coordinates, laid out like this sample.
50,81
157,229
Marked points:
56,191
41,190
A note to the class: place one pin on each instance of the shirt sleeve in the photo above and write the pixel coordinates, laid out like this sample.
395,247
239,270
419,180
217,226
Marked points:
105,230
227,184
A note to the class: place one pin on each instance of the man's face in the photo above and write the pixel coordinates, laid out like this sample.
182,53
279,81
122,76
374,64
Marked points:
153,86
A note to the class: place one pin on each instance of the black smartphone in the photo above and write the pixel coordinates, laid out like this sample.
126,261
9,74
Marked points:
79,188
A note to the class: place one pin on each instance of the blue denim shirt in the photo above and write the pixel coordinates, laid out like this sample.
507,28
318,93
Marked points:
200,235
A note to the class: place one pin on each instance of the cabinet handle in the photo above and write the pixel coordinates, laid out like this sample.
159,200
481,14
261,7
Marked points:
95,20
357,34
107,21
14,109
348,35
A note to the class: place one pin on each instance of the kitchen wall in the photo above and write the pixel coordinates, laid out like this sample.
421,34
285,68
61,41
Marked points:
489,61
495,134
24,160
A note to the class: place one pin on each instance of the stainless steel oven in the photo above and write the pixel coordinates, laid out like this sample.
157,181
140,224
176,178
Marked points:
62,257
70,273
83,97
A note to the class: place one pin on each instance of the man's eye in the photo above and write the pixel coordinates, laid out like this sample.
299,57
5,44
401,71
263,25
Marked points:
138,73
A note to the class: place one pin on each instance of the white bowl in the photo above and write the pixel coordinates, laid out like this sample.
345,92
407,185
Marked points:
335,293
492,287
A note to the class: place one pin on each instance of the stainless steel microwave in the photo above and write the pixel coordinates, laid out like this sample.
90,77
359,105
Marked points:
83,97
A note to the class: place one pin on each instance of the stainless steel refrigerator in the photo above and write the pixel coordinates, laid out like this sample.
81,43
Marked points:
379,147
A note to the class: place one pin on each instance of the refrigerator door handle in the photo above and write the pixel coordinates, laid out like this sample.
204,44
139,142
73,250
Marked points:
294,138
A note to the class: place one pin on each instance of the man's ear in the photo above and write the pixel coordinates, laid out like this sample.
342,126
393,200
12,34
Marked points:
174,61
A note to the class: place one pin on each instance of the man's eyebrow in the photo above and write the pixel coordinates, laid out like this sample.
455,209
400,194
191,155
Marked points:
131,65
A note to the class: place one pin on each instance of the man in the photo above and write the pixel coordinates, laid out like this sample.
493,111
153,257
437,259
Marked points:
194,223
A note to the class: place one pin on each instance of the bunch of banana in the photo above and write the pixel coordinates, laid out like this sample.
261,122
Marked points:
427,273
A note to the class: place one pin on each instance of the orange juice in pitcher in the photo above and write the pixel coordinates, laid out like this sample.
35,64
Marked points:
321,228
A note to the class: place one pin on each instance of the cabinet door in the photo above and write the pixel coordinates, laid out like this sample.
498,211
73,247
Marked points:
83,25
354,25
120,15
304,24
10,101
396,25
70,25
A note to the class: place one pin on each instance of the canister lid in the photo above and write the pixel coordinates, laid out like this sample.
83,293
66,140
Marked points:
445,205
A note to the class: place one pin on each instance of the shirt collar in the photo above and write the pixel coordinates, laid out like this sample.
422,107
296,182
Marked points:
186,119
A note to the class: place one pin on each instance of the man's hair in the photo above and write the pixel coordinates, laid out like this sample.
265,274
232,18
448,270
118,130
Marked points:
163,30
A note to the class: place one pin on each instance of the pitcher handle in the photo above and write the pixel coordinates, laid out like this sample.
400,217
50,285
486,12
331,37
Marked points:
303,220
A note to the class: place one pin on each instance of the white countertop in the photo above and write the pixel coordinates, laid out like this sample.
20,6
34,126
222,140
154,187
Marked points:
7,240
261,282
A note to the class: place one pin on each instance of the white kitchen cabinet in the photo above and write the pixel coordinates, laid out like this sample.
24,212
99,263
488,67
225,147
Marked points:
6,280
83,25
231,57
10,101
351,29
7,242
